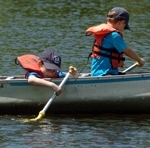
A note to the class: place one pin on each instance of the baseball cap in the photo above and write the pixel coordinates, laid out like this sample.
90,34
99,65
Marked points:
51,59
121,14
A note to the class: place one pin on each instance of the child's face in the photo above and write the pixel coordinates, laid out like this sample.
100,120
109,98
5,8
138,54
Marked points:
48,73
122,24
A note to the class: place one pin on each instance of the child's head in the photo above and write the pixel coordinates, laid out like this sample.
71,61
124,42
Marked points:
118,14
50,62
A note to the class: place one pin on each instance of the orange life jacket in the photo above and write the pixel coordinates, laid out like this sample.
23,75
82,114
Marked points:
30,63
100,32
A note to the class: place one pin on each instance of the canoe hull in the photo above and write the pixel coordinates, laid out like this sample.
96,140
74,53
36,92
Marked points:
110,94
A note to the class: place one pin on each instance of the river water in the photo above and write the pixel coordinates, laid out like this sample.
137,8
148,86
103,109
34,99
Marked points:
30,27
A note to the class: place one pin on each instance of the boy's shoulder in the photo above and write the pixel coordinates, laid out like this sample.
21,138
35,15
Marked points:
114,35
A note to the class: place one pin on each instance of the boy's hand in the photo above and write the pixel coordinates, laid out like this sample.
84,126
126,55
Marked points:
57,89
141,62
73,71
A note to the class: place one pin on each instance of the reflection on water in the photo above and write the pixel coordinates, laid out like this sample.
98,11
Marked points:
79,131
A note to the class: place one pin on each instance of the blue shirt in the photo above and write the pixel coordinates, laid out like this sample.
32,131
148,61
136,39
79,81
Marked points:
102,66
59,74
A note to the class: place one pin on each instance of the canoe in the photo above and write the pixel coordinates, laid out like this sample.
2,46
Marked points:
129,93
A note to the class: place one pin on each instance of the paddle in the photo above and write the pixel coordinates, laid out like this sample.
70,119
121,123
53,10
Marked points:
131,67
43,111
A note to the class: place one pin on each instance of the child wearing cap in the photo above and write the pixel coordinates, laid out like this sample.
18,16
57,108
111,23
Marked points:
109,46
47,65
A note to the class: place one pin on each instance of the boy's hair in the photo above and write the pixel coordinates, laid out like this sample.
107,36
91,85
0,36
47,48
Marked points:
111,18
118,14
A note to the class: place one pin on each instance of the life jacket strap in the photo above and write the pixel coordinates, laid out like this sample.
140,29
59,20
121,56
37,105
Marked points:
111,50
108,56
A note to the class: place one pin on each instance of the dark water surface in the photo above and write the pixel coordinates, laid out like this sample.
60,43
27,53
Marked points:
30,26
79,131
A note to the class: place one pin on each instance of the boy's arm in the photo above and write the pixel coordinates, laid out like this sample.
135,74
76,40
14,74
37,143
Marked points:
130,53
41,82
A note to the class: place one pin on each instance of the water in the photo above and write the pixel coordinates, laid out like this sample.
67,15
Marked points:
31,26
78,131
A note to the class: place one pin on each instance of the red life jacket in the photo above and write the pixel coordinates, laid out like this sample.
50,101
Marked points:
100,32
30,63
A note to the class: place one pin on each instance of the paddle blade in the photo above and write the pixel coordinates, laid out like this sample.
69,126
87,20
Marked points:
39,117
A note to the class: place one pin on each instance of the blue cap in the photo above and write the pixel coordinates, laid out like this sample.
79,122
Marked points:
121,14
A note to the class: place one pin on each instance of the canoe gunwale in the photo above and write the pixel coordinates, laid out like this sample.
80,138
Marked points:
22,79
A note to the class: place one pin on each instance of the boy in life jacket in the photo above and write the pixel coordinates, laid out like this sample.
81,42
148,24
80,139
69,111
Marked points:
46,66
109,46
